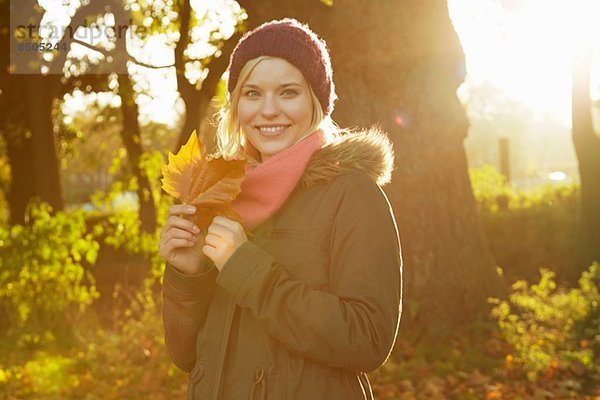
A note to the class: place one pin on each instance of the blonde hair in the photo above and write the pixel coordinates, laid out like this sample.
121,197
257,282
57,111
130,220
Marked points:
231,139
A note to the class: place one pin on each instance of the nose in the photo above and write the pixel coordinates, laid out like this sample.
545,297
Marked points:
270,108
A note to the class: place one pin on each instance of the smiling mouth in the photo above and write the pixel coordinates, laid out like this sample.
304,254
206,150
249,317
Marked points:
271,130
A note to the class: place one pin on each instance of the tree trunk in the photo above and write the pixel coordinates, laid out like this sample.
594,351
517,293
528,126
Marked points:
587,148
18,150
188,93
46,177
132,140
131,133
21,190
27,124
31,145
398,64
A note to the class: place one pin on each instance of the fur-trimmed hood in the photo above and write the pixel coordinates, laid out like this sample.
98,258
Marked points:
368,150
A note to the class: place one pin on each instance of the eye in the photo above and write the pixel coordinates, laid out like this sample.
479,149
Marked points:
251,93
290,92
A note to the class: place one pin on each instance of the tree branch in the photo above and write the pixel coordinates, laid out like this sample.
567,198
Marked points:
143,64
89,46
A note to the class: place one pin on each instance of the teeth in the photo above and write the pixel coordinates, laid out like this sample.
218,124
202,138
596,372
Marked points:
271,128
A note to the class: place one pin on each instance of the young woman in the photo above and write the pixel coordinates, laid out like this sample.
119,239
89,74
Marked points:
311,302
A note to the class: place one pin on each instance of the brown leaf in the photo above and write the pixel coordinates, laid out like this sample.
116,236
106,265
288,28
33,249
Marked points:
208,183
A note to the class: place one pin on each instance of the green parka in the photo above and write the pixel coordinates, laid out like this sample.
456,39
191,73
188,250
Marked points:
311,302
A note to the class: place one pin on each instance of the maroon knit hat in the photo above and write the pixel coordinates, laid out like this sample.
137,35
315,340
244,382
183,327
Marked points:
295,42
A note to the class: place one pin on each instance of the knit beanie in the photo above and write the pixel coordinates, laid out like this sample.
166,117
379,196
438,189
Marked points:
296,43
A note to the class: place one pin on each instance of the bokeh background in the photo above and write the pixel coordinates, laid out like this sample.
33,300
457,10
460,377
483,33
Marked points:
492,106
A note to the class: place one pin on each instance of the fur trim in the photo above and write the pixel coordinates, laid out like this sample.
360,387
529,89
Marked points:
369,150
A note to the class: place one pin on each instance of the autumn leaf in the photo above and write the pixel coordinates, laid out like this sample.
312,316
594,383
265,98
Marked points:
208,183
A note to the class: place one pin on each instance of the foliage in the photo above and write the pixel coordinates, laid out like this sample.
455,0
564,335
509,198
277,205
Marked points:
127,358
553,329
39,260
94,160
528,228
130,360
85,157
467,365
121,229
5,178
209,183
133,347
494,194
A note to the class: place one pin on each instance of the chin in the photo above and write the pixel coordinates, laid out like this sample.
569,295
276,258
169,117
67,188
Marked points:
272,150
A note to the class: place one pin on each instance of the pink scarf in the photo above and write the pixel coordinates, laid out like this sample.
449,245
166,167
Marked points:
267,185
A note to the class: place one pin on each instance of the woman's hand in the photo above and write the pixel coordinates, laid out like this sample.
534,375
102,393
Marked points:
223,239
181,241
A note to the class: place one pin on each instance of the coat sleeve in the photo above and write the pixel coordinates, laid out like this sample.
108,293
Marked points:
186,299
352,325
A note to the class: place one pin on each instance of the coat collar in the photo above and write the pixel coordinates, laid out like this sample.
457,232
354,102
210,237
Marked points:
368,150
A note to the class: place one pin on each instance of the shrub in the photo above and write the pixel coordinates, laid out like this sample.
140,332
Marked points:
528,228
44,287
551,328
127,359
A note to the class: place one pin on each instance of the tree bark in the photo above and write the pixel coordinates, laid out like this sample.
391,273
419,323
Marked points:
31,143
587,148
27,125
18,149
131,133
46,180
132,140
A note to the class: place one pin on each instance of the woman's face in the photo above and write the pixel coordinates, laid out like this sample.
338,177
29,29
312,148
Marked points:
275,107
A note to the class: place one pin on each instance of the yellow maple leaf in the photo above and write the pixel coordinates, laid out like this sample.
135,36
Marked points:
208,183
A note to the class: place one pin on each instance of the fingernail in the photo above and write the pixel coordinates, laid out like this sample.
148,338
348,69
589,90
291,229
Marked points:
196,229
192,209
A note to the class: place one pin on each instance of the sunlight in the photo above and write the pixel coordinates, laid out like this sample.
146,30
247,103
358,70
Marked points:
156,88
526,47
519,61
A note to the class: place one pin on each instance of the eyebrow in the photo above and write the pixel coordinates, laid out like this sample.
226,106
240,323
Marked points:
286,84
